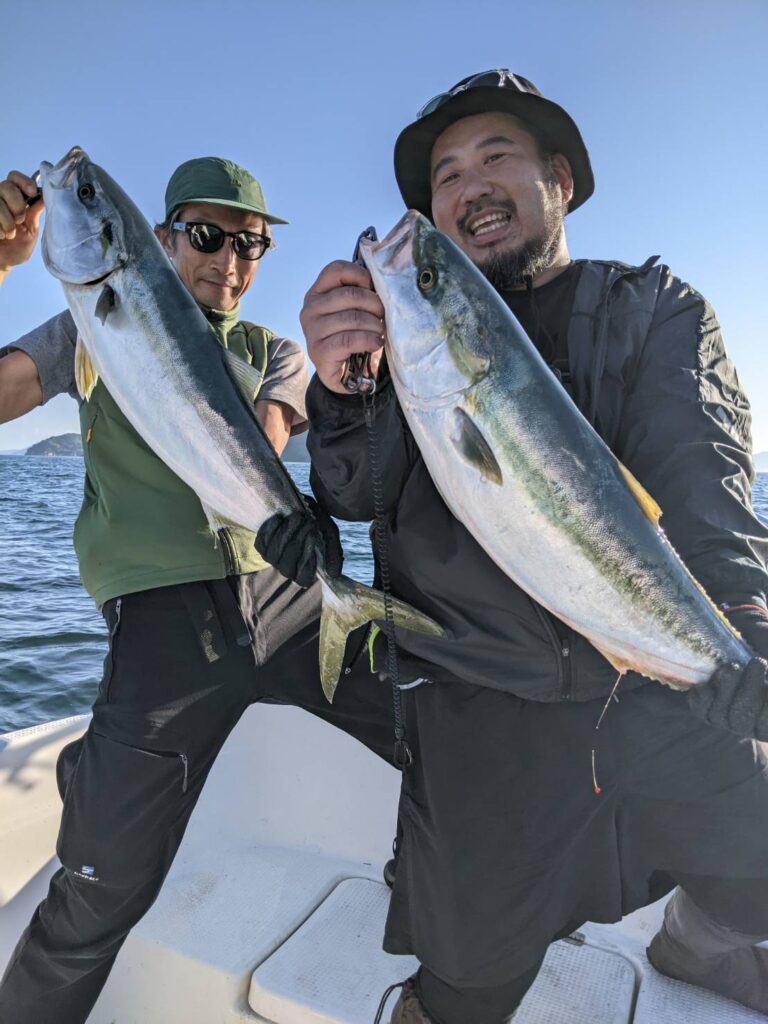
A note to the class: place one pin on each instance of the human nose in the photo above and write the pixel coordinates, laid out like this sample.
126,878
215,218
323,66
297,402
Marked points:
224,259
475,185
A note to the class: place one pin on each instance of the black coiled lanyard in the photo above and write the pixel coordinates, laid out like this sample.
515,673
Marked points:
358,378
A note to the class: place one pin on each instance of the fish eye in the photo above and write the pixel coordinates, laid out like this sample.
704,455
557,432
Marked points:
427,279
86,191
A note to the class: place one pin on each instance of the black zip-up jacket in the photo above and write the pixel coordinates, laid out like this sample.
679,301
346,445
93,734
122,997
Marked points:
650,371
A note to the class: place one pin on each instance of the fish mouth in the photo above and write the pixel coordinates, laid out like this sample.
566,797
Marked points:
393,253
62,174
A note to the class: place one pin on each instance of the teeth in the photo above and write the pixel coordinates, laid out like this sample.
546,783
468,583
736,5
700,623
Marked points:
488,223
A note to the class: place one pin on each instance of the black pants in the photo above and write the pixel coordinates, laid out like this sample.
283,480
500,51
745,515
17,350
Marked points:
447,1004
184,663
499,812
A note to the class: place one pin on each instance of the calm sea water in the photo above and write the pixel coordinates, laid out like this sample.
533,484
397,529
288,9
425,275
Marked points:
52,639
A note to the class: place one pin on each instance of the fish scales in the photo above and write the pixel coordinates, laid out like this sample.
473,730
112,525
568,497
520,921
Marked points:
523,470
188,398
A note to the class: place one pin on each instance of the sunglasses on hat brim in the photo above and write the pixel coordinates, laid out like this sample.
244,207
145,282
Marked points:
500,78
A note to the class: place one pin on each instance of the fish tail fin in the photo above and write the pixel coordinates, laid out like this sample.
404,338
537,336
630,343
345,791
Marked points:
347,605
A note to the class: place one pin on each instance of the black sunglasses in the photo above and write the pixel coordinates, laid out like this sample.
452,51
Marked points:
501,78
247,245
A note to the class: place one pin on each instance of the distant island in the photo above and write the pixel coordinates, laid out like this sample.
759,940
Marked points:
63,444
70,444
296,449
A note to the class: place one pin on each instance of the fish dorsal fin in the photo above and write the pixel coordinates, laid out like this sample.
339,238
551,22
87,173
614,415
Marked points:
642,497
86,374
473,447
247,377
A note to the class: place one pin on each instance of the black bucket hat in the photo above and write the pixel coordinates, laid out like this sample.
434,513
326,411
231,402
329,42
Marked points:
500,90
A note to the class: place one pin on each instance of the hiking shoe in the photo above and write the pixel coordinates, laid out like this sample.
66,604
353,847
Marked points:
408,1008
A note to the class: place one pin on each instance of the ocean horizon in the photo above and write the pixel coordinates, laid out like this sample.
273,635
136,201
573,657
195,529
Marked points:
52,637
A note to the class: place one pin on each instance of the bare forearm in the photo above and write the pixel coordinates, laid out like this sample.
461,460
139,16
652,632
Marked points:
20,389
275,419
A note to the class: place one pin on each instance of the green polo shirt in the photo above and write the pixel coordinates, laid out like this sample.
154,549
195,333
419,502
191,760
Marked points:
140,526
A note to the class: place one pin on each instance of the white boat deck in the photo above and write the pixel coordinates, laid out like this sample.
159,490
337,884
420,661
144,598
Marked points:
274,908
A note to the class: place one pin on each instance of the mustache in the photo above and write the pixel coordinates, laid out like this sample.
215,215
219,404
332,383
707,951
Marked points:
507,205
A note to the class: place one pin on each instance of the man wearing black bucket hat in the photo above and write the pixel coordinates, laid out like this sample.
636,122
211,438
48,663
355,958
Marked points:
507,844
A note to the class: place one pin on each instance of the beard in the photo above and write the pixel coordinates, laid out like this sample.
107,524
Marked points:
509,268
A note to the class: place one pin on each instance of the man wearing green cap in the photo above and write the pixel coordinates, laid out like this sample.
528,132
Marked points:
200,626
509,839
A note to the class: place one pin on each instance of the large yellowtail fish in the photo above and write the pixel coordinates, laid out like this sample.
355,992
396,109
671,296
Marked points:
187,396
523,470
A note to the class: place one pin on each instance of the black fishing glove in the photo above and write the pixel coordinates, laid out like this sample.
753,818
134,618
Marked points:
290,543
735,699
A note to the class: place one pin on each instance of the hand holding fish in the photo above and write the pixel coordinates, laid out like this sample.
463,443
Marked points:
19,222
736,699
342,315
290,543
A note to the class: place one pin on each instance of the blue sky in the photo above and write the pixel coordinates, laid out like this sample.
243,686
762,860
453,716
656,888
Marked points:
670,97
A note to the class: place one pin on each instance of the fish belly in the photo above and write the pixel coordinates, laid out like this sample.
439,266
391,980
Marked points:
551,566
146,377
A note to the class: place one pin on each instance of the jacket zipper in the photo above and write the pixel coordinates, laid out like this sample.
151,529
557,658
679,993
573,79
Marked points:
172,754
112,634
91,425
229,554
566,689
165,754
118,609
562,651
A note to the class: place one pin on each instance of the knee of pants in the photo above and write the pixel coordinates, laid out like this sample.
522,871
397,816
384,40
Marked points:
740,904
124,812
66,764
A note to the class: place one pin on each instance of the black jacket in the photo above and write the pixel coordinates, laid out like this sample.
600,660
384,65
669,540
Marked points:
649,370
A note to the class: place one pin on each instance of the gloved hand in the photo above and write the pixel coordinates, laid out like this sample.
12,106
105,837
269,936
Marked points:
735,699
290,543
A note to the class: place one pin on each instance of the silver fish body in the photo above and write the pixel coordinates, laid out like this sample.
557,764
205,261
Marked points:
523,470
182,391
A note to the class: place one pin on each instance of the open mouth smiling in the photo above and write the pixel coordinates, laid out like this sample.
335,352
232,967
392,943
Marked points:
485,223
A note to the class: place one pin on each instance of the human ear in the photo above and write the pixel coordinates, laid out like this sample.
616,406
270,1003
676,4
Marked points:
164,240
562,171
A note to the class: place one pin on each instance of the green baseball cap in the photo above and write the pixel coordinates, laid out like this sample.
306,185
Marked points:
209,179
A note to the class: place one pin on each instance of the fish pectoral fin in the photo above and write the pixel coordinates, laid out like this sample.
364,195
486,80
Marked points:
106,303
246,377
474,449
86,374
649,506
